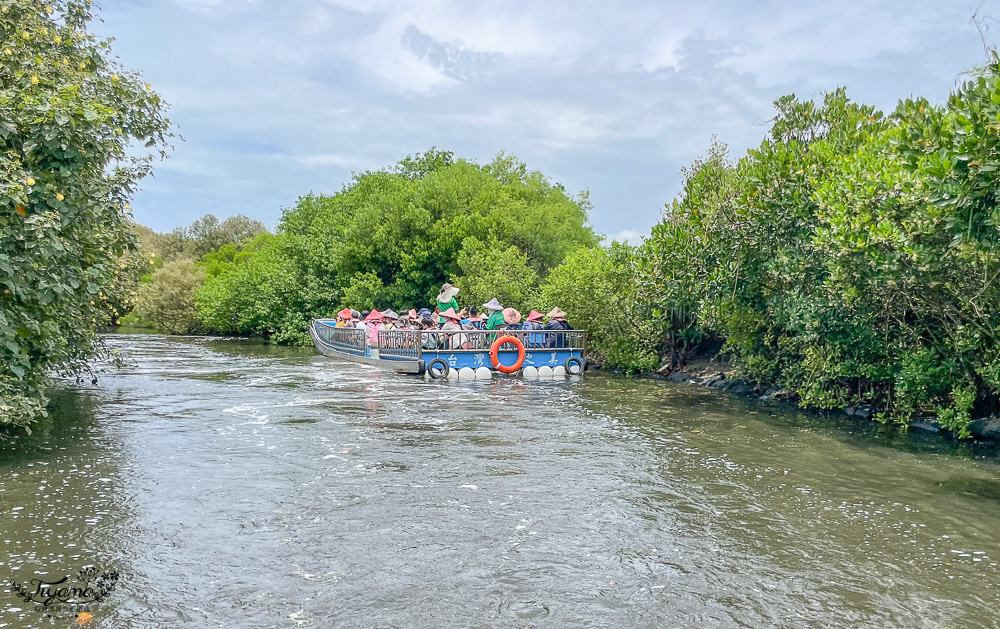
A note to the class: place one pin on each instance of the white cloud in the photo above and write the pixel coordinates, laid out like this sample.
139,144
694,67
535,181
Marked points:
384,55
630,236
336,160
551,123
475,26
210,6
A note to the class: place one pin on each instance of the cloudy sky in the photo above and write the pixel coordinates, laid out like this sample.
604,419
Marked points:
275,98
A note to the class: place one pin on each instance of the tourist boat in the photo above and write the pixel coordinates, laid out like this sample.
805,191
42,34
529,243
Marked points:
442,354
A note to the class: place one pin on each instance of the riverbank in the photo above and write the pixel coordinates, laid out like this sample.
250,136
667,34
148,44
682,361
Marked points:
721,376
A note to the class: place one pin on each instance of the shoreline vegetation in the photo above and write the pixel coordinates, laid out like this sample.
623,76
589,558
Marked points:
851,260
78,133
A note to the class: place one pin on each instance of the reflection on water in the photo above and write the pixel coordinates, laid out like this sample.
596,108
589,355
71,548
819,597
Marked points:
240,485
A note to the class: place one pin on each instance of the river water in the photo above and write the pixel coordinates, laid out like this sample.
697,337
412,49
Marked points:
233,484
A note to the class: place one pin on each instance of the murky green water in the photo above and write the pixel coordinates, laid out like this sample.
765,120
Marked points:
232,484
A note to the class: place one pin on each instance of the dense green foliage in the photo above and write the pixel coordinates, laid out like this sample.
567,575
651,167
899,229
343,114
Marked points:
390,238
162,292
489,270
68,115
167,300
598,288
204,236
852,257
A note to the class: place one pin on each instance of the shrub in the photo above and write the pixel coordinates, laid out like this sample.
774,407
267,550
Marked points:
168,301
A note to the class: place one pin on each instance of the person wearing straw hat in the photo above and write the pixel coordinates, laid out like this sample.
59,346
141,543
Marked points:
534,322
446,299
391,319
511,317
373,322
453,322
557,322
344,318
495,319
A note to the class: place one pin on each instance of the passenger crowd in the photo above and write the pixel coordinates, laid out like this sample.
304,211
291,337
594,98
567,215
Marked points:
448,319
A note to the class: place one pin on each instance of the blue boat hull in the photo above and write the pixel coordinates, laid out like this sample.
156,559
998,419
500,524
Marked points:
481,358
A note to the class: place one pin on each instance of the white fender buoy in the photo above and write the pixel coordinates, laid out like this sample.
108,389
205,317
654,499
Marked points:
545,372
559,371
484,373
529,372
452,373
466,373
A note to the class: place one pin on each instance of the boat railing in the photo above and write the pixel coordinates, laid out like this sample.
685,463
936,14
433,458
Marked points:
346,340
410,344
399,344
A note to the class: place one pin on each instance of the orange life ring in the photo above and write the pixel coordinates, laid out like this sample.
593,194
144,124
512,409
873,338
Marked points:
503,340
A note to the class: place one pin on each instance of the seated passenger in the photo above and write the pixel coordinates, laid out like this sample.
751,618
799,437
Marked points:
511,319
534,322
344,318
453,322
391,319
474,323
373,322
475,319
557,322
429,340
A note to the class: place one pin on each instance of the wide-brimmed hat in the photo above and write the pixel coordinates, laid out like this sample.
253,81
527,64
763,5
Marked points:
374,315
412,314
511,316
344,314
425,313
475,318
556,313
493,304
390,314
534,315
447,293
451,314
355,314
